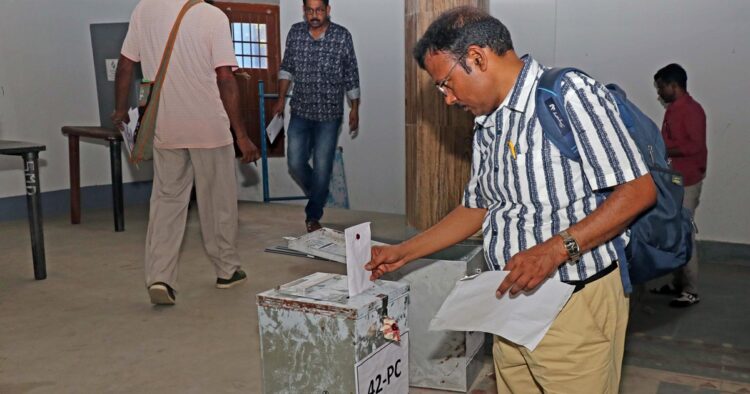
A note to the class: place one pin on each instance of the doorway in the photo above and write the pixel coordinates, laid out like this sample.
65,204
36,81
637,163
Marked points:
256,38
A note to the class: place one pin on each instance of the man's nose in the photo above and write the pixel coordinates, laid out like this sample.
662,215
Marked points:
450,99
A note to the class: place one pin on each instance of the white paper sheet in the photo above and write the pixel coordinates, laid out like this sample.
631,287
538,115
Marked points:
523,319
128,130
274,128
358,244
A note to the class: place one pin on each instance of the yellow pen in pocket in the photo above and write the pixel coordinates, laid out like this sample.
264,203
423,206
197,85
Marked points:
512,148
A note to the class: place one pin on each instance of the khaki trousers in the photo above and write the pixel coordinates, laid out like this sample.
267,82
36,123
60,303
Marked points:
582,351
686,278
216,191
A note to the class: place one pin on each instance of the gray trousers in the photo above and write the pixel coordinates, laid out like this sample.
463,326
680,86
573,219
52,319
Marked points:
216,191
686,277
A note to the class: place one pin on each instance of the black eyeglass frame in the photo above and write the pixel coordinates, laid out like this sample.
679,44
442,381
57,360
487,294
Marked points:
440,85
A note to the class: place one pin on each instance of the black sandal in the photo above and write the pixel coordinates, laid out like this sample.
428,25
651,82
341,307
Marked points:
666,290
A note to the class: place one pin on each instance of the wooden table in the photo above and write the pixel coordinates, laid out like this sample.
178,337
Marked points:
74,133
29,152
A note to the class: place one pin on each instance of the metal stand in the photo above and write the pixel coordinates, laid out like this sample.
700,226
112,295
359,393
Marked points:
34,204
118,205
264,147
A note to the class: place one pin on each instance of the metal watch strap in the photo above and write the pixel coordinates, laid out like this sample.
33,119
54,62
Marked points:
571,246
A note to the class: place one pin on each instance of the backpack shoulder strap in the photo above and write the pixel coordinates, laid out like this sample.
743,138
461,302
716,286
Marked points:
550,110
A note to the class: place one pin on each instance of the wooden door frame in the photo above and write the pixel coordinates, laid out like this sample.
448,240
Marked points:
270,74
258,8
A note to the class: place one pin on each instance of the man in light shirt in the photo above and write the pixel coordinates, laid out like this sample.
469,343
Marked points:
192,143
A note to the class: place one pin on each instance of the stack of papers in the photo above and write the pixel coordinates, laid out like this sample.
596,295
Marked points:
128,130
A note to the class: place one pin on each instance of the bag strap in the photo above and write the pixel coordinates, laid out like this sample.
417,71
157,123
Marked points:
551,113
161,74
150,114
556,127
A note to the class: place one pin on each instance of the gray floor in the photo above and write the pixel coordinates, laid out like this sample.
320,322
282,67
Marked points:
89,327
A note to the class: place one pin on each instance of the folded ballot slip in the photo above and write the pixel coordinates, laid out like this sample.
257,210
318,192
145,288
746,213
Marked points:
274,128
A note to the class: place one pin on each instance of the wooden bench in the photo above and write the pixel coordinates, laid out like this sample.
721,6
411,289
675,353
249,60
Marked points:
30,154
74,133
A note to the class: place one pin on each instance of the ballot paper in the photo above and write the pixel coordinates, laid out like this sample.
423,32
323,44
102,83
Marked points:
274,128
128,130
358,244
522,319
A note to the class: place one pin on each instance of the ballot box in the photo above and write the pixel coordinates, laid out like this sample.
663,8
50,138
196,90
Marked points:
445,360
314,338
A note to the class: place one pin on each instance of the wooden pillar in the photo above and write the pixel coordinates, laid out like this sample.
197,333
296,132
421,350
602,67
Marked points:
438,137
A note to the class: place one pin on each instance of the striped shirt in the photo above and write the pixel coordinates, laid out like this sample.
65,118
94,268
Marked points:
532,192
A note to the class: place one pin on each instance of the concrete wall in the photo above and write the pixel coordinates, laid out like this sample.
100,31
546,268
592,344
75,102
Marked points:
47,81
627,42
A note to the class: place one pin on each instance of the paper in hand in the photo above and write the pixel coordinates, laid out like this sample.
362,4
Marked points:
522,319
358,245
128,130
274,128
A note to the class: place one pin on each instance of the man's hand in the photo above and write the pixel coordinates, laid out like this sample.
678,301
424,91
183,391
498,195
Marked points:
278,108
353,123
119,117
385,259
249,151
529,268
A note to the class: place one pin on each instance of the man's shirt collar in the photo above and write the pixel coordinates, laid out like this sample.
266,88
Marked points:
519,96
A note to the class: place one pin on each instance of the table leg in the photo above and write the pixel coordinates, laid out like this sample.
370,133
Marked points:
115,157
34,206
75,179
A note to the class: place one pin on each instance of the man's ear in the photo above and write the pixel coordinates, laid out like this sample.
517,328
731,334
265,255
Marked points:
476,57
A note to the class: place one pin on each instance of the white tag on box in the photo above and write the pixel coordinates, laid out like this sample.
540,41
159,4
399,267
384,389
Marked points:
385,370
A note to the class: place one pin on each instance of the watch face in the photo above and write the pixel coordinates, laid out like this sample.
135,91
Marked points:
571,246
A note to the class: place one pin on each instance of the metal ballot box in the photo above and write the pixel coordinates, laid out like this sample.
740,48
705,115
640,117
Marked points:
445,360
315,339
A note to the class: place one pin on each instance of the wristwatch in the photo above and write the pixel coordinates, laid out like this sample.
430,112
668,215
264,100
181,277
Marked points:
571,246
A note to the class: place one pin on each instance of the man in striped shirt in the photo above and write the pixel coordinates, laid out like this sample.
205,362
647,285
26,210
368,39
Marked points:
536,208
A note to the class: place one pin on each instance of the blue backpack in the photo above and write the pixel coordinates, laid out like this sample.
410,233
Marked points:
661,237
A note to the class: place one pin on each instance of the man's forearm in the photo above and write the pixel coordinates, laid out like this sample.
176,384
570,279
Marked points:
123,80
230,97
674,152
354,105
283,88
458,225
622,206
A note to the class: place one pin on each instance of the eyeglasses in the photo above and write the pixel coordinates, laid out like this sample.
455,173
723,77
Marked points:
440,85
312,11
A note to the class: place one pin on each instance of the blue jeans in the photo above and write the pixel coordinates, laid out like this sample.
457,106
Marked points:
317,139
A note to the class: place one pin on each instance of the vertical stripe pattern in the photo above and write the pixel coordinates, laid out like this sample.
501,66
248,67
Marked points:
536,193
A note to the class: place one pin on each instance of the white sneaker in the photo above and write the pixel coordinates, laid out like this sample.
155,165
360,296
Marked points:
161,294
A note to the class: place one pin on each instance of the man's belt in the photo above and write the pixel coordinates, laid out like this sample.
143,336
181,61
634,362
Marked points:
580,284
